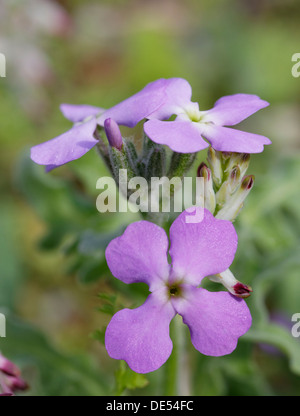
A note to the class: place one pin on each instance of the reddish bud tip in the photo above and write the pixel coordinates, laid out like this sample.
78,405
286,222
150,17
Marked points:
203,171
245,157
248,182
16,383
241,290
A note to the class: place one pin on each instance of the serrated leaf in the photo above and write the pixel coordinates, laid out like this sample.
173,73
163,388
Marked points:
126,379
99,335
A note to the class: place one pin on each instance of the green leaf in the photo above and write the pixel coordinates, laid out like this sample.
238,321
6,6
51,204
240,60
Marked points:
57,201
279,337
263,330
110,304
99,335
12,274
92,242
91,270
126,379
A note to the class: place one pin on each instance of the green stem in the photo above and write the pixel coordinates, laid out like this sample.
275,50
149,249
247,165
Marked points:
184,370
171,366
177,369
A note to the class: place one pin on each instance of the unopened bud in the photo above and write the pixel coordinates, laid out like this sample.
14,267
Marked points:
209,193
234,178
241,290
214,159
156,163
203,171
235,203
228,187
242,160
180,164
113,133
244,164
248,183
235,174
226,155
235,287
15,383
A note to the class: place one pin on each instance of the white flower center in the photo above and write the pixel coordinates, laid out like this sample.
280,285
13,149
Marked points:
192,113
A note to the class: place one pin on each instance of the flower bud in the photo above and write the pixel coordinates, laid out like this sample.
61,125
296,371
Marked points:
15,383
113,133
244,163
214,159
247,183
209,193
156,163
234,176
235,203
242,160
229,186
180,164
235,287
119,161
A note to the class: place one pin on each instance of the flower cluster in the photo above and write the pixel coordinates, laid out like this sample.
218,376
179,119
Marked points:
10,380
226,186
197,250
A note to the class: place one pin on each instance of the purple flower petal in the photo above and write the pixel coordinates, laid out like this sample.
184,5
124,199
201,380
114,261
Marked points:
139,106
164,94
141,336
77,113
69,146
232,109
215,320
140,255
201,249
225,139
180,136
178,96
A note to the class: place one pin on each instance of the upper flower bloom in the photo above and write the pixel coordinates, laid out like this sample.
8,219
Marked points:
186,133
80,139
216,320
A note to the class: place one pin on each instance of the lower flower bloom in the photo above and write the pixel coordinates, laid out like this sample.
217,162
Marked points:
215,320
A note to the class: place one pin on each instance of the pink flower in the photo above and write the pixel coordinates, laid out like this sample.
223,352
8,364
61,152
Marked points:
187,132
216,320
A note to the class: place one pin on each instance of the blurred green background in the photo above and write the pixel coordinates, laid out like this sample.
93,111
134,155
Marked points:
55,288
